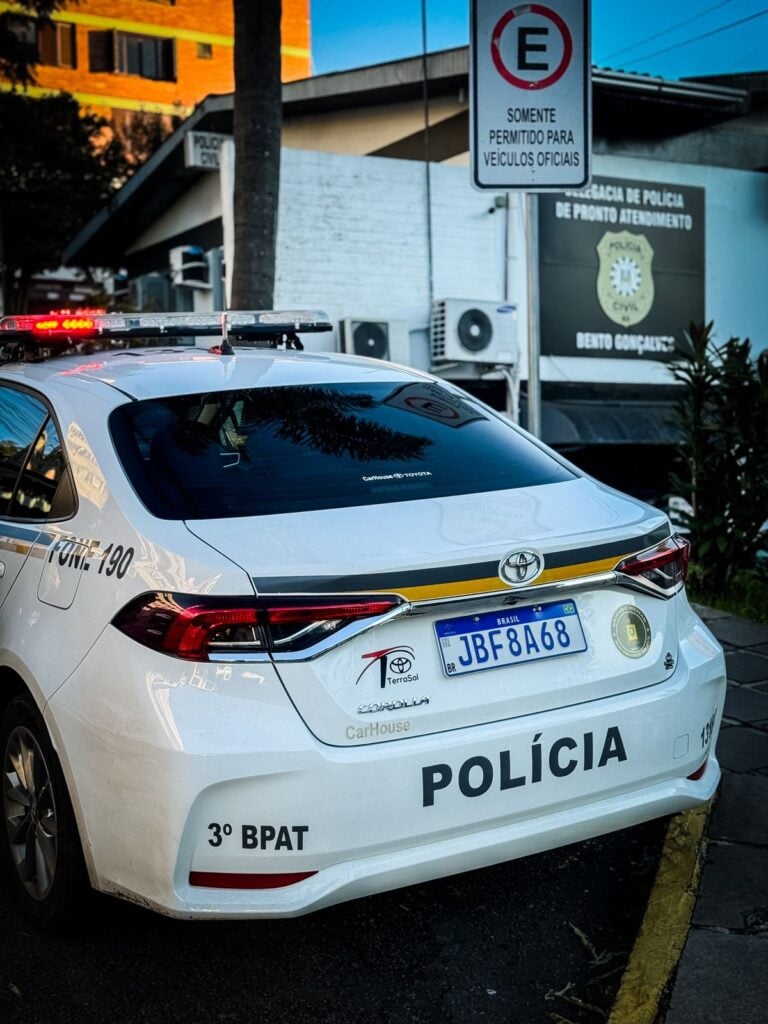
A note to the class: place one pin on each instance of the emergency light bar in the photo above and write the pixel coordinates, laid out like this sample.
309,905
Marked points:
118,326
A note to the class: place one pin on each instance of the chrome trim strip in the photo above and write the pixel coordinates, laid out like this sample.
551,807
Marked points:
237,645
345,633
261,657
505,597
293,636
645,586
322,646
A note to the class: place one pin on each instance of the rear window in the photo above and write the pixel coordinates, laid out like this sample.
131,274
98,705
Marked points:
294,449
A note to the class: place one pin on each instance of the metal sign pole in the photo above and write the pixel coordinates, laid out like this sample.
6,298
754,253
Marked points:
532,276
530,120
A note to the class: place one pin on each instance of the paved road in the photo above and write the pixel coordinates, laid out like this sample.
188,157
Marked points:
492,946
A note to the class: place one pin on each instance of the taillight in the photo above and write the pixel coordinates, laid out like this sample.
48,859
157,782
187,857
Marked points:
699,773
294,624
196,631
191,626
662,568
196,627
229,880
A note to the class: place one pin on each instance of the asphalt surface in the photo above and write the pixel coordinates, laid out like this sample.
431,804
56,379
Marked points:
536,940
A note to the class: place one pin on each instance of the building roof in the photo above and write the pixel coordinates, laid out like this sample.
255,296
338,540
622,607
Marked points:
626,106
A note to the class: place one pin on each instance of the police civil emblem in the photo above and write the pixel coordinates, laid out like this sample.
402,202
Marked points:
631,631
625,278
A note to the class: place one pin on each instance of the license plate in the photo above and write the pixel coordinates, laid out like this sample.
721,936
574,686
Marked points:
474,643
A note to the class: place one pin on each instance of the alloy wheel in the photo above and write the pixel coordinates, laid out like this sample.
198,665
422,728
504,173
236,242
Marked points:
30,813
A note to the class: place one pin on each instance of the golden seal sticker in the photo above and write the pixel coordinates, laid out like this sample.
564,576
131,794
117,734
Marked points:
631,631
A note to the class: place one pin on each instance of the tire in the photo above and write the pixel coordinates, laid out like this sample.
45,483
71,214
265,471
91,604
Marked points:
40,851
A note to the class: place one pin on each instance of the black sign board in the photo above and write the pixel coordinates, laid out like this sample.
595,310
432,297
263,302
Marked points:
621,268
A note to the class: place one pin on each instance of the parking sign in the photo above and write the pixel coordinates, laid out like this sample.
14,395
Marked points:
531,125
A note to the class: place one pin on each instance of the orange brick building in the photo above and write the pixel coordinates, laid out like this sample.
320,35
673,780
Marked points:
158,56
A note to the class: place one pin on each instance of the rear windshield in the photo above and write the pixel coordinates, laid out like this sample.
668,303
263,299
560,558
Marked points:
294,449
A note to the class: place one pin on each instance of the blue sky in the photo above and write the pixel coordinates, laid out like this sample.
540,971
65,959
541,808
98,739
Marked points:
626,34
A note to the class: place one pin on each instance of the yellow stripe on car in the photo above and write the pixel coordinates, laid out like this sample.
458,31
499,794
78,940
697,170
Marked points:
466,588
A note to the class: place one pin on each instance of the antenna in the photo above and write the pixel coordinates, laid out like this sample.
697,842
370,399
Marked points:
225,347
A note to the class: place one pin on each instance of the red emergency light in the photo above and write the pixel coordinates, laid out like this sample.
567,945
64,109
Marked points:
63,324
35,336
52,324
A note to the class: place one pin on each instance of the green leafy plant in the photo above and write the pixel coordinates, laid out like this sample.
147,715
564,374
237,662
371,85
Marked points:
723,467
17,55
59,165
57,169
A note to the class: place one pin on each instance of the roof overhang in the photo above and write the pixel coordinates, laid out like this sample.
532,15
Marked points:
626,105
149,193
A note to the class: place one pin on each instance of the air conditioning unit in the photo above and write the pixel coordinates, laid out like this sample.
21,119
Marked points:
149,293
189,266
466,331
118,287
378,339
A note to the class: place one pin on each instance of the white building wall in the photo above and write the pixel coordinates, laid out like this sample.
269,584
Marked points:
352,240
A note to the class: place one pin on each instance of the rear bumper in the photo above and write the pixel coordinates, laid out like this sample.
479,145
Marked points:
178,768
465,852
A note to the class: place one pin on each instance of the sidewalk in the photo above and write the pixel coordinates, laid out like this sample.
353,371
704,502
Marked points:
722,977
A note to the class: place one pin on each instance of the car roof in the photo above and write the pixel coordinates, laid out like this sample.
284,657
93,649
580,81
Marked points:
154,372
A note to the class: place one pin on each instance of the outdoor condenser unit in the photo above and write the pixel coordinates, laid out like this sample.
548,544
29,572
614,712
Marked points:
465,330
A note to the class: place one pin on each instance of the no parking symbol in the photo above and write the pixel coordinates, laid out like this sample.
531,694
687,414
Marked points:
533,65
531,93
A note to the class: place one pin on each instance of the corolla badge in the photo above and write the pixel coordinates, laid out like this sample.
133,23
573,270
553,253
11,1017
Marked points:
521,567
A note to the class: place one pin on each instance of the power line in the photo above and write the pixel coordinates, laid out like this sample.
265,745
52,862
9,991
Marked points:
695,39
666,31
745,56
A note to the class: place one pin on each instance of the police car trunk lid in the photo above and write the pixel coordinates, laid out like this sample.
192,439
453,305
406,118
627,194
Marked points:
525,651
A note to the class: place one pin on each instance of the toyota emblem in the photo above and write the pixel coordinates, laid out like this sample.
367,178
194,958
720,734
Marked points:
521,567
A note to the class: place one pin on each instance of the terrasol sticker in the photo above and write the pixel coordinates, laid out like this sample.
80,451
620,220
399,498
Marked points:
631,631
396,665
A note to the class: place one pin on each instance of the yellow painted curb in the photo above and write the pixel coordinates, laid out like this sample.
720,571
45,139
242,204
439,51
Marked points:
659,945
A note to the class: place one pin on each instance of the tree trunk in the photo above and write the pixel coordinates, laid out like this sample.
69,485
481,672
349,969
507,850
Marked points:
258,121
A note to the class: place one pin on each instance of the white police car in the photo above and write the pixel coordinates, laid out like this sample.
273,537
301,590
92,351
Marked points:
281,629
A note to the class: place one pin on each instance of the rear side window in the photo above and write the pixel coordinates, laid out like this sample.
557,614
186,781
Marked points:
21,417
295,449
39,480
32,463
